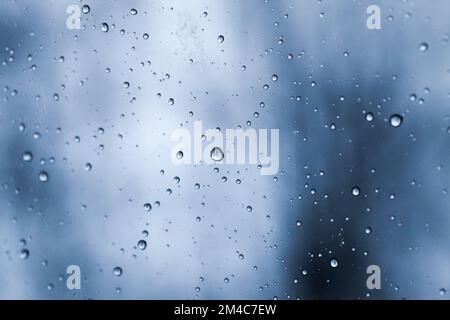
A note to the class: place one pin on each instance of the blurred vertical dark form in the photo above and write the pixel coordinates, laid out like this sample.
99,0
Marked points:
346,147
38,212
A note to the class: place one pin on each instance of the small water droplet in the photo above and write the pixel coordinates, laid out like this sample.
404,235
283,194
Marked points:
104,27
27,156
117,271
216,154
179,155
147,207
220,38
396,120
423,46
24,254
142,244
43,176
334,263
86,9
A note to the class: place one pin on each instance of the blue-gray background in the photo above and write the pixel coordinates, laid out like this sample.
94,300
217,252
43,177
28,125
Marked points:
95,218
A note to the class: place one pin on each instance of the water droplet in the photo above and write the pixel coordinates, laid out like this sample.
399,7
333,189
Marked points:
396,120
133,12
368,230
241,256
220,38
117,271
355,191
179,155
299,223
274,77
442,291
147,207
86,9
226,280
24,254
216,154
88,167
104,27
369,116
43,176
249,209
423,46
27,156
171,101
142,244
334,263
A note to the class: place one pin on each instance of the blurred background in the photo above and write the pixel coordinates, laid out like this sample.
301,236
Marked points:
86,179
